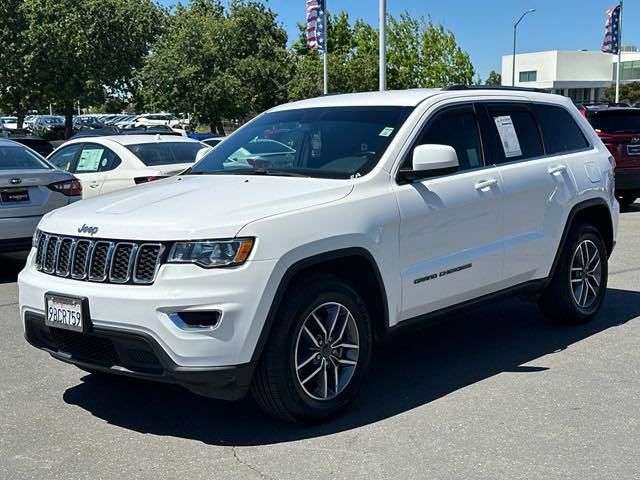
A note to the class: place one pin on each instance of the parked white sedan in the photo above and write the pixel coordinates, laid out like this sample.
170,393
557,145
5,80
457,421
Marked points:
106,164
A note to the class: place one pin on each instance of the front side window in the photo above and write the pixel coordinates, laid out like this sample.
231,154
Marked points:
458,128
64,157
560,131
19,158
329,142
513,133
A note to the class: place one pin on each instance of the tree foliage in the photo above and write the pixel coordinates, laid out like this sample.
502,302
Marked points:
82,48
629,93
218,63
494,78
419,54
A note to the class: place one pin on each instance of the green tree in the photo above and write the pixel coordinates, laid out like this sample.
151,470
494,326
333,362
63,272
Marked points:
629,93
218,64
419,54
18,88
494,78
83,48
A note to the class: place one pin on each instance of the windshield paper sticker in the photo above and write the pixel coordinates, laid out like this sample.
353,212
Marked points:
386,132
508,136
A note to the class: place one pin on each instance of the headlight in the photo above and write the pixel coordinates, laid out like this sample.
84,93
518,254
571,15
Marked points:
212,253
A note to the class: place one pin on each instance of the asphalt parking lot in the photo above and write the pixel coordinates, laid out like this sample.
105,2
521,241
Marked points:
497,394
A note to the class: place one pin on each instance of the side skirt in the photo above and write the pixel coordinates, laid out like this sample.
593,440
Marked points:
528,290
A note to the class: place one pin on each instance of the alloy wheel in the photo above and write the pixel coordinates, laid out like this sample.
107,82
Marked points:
585,275
326,351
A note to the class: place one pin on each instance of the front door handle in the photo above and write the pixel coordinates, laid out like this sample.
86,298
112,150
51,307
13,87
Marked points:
484,184
557,169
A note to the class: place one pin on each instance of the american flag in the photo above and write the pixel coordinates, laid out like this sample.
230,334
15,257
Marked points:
612,31
316,38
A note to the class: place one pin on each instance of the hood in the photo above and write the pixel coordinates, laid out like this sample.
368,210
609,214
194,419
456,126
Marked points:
193,207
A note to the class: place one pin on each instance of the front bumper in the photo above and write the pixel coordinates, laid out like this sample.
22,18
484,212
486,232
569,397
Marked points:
242,295
135,355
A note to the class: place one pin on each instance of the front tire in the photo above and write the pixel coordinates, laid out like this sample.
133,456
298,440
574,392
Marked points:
318,352
579,283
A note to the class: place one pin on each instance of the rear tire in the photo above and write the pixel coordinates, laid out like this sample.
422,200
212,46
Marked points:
579,283
318,352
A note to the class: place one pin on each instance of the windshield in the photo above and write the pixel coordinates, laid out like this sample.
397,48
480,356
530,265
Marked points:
332,142
19,158
52,120
166,153
616,121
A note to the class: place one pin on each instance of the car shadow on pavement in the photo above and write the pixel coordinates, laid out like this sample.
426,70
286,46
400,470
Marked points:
10,266
412,371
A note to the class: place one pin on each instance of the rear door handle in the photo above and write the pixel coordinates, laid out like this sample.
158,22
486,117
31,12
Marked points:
483,184
557,169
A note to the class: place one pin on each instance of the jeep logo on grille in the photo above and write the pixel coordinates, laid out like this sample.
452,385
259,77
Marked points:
87,229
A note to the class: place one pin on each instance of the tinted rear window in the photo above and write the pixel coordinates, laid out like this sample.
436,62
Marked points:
616,121
166,153
19,158
560,131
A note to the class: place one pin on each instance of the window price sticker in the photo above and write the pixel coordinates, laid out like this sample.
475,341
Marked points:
508,136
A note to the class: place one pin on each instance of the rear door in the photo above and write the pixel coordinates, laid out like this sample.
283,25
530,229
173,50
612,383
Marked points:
536,188
92,166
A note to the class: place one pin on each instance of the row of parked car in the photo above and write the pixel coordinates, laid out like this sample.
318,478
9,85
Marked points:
52,127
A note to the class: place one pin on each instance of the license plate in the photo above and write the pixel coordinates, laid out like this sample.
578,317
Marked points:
633,149
14,196
66,313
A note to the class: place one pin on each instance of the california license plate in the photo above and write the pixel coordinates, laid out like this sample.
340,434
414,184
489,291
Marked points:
66,313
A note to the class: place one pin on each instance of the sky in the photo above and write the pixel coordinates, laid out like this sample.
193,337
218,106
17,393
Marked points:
485,28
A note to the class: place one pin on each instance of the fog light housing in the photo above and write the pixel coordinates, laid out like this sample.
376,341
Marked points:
208,320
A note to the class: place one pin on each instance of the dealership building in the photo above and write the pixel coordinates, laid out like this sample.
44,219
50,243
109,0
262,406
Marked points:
582,75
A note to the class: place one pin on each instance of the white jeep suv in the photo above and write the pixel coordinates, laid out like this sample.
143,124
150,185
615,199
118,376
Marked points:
279,272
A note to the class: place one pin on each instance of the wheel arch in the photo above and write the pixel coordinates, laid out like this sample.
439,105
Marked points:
356,265
596,212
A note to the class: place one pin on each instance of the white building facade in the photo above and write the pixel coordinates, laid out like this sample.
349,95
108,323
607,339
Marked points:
582,75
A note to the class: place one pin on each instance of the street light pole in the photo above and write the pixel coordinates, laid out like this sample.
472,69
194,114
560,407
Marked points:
515,31
383,45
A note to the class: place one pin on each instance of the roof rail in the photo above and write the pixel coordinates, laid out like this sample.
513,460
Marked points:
493,87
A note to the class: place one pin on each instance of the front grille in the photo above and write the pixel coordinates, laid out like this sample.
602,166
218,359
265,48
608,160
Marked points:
109,261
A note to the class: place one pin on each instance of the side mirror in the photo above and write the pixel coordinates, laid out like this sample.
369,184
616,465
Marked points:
430,161
202,152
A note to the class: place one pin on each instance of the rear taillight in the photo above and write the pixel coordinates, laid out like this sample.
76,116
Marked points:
70,188
140,180
612,161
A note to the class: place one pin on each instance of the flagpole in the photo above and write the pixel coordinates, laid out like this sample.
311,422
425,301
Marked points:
619,55
383,45
325,55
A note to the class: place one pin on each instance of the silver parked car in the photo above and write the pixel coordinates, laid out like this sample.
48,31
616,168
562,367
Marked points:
29,188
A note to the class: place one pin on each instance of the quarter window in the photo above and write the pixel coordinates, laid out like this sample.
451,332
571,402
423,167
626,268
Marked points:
514,133
560,131
458,128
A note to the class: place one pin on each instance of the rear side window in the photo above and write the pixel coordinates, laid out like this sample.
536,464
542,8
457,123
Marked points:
19,158
166,153
560,131
96,158
513,133
616,121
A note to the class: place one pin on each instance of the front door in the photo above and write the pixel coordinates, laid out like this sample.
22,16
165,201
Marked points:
451,226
